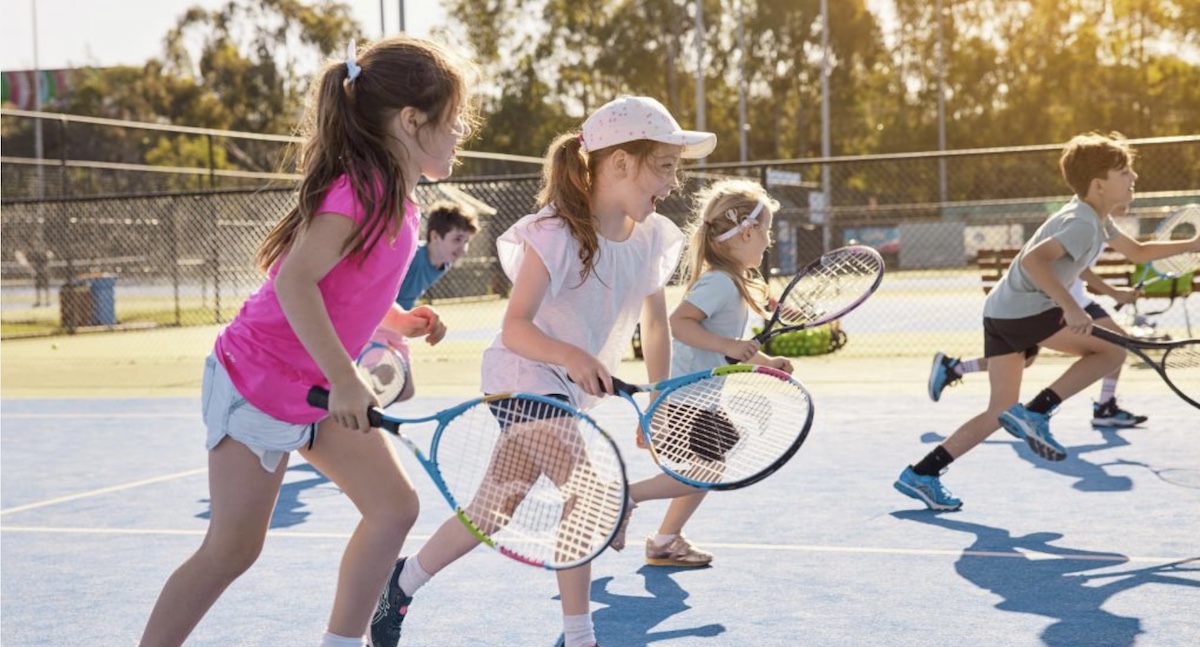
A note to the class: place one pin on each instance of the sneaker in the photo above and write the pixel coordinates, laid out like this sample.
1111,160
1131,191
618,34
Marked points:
390,612
926,489
1034,428
618,540
943,375
678,552
1110,415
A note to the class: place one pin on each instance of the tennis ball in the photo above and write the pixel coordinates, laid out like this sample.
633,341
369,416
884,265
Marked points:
53,346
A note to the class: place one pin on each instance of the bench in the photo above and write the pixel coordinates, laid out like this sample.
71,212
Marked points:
1113,268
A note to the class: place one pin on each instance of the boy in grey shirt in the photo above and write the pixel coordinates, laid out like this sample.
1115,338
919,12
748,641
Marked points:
1032,306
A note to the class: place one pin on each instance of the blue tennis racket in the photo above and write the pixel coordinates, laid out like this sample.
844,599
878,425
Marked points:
530,476
725,428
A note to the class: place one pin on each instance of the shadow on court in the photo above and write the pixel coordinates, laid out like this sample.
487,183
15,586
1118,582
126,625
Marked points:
1069,585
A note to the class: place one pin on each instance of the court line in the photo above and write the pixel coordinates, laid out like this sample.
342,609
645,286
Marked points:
100,491
798,548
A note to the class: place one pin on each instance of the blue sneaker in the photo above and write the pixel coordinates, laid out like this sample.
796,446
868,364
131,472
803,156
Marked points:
1110,415
390,612
942,375
926,489
1034,428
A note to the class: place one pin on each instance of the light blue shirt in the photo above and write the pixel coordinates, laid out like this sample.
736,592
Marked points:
716,295
421,274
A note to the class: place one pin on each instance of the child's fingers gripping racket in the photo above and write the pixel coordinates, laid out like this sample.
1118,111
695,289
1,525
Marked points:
385,371
1179,365
528,475
726,428
824,290
1183,223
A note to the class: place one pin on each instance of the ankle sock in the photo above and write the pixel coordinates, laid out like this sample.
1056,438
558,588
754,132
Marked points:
578,630
412,576
1044,402
334,640
660,540
934,462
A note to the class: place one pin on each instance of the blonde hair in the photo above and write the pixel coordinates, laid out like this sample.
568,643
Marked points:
719,208
345,130
569,182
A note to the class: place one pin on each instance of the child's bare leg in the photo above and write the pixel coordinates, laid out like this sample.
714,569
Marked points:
243,498
1004,374
679,512
1097,358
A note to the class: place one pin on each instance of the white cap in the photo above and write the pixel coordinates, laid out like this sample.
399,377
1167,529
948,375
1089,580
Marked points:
632,118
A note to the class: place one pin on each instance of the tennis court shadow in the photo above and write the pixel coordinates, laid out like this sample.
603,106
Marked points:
1088,476
289,509
629,620
1033,575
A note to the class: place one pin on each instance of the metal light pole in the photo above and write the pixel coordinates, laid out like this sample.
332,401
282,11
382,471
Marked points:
941,63
402,26
741,37
700,68
826,180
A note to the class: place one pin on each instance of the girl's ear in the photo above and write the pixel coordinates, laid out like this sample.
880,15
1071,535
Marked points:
620,162
410,120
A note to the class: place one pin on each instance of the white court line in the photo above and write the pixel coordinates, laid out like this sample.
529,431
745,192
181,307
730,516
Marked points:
796,548
106,490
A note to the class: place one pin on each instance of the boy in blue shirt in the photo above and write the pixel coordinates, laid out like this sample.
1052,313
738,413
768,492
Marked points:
449,228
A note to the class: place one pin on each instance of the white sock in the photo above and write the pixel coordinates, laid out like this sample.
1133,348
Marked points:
662,540
334,640
578,631
1108,389
412,576
967,366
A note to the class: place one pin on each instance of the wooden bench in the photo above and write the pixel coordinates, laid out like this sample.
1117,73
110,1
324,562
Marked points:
1114,269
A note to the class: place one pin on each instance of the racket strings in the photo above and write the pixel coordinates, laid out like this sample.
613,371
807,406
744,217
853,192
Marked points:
384,371
729,428
842,280
1181,225
1182,366
539,480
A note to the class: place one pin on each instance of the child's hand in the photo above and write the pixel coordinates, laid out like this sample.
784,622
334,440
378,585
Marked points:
1077,321
780,363
588,373
1124,296
641,438
423,321
349,400
741,351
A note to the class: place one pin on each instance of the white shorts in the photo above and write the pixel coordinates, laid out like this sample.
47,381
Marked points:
227,413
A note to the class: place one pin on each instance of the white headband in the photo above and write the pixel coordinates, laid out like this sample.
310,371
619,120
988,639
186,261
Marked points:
750,220
352,67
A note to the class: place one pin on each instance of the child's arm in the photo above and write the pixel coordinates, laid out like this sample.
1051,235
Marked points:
314,253
656,337
1140,252
686,327
421,321
1037,263
1096,285
520,335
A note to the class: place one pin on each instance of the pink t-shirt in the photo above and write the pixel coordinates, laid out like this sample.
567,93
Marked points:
260,351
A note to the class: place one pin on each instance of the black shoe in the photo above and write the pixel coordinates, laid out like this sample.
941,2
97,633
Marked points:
390,612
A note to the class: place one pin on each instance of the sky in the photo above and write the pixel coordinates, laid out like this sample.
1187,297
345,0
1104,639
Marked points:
73,33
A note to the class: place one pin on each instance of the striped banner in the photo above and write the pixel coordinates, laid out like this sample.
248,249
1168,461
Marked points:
18,88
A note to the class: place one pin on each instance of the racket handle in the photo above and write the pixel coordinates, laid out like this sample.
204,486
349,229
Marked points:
319,398
619,386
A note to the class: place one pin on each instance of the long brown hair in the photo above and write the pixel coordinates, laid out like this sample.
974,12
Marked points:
719,208
346,130
568,182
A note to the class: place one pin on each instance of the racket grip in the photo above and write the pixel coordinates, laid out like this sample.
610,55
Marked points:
319,398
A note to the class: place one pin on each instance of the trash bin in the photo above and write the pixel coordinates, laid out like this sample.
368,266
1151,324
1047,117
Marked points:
104,310
75,299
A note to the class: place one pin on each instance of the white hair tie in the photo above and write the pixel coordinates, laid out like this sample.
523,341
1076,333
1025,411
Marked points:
352,67
750,220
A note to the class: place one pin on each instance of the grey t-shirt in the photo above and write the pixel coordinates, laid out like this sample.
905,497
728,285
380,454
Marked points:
716,295
1081,232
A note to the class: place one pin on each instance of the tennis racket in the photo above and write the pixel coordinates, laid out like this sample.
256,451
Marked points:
528,475
824,290
1183,223
725,428
385,371
1179,365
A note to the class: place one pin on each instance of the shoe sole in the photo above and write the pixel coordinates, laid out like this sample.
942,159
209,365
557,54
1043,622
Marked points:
937,361
1039,446
911,492
655,561
1120,424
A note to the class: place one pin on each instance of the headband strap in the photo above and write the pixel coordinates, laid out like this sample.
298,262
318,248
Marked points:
749,221
352,67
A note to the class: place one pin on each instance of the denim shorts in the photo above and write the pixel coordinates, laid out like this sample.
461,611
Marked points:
227,413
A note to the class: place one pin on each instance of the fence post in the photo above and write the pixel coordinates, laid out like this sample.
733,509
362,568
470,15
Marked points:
212,164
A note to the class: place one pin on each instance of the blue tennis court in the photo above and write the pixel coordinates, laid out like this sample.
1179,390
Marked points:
101,499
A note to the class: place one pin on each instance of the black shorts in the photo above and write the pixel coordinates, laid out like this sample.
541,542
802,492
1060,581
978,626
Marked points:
1096,311
1005,336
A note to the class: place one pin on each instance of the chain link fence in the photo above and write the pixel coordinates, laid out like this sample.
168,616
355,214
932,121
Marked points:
183,258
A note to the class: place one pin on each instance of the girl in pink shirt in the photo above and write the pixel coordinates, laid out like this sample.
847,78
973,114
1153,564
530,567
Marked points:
375,124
